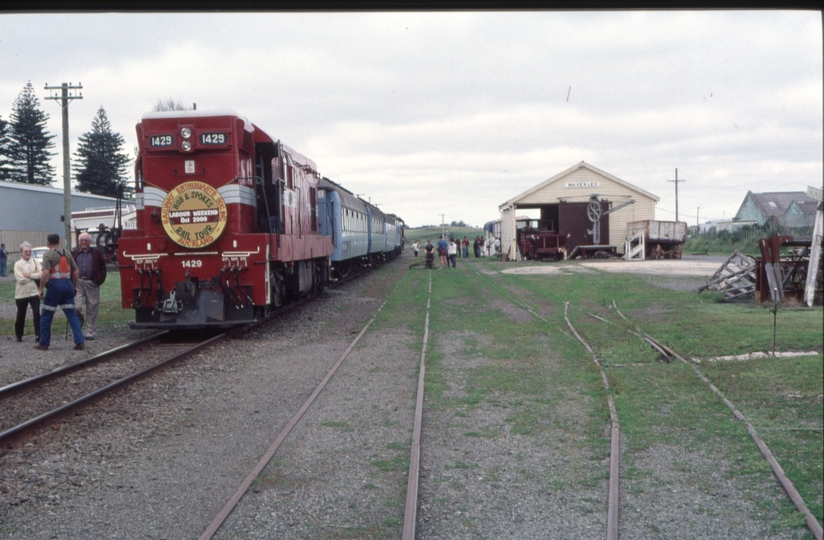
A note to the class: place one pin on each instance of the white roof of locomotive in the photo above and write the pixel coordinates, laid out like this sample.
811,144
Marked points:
198,114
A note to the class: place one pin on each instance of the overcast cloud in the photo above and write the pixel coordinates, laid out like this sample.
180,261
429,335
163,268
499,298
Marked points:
454,113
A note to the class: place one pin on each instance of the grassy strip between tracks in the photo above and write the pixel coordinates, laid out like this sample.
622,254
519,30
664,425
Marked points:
491,378
110,315
665,403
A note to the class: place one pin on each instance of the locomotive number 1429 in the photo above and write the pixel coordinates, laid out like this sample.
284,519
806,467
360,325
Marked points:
194,263
212,138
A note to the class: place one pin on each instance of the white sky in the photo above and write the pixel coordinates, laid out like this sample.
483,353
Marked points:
455,112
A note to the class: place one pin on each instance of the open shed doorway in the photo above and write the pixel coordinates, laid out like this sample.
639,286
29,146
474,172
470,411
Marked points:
569,218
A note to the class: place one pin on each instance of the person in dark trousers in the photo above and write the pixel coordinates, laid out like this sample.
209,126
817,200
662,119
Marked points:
4,260
59,278
453,253
27,275
429,254
91,266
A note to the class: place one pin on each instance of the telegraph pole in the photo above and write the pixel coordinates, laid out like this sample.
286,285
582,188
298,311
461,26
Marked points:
65,97
442,229
697,219
676,191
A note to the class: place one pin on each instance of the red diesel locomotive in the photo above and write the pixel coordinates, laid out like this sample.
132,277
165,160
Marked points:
227,223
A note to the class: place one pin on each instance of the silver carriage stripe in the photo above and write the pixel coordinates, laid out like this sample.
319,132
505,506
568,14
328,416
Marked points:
152,196
237,194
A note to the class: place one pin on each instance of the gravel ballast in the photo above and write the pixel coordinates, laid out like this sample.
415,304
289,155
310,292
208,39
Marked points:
161,458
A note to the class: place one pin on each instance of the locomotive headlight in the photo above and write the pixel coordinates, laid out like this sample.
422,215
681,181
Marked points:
186,146
185,133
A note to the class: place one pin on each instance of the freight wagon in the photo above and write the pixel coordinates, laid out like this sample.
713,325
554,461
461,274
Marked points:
657,239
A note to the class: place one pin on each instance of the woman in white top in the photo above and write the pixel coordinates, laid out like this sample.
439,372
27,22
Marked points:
26,270
452,251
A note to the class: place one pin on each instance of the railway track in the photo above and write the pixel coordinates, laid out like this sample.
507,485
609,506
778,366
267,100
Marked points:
613,506
36,402
787,486
300,495
224,512
612,532
411,501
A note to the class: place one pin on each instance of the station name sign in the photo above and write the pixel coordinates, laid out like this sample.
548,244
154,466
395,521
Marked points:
582,184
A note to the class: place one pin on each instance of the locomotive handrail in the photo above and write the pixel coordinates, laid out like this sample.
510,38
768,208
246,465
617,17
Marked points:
146,257
241,253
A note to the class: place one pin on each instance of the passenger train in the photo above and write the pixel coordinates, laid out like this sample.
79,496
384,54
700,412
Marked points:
232,223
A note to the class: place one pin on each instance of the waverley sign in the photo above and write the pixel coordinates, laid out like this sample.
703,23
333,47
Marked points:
582,184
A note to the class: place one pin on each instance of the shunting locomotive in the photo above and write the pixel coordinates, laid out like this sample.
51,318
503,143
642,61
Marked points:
232,223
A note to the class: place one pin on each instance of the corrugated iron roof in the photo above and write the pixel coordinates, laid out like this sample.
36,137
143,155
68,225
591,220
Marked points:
776,203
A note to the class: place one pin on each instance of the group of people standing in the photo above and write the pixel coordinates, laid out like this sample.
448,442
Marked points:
449,251
68,280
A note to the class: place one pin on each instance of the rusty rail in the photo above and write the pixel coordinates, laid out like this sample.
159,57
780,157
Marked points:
46,418
786,483
267,457
12,388
778,471
615,441
411,505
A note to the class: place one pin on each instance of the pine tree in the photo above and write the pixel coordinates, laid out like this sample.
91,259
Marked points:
101,165
29,144
6,165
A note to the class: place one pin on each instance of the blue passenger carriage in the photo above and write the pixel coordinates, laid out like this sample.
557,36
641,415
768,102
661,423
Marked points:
362,235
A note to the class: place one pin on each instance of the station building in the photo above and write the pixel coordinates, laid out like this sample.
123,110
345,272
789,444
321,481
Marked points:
563,200
30,212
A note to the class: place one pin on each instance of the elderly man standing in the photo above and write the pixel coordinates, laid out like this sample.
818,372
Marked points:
91,266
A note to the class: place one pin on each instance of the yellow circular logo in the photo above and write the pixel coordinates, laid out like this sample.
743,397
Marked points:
193,214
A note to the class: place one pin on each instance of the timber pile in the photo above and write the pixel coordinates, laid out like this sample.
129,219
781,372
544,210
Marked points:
735,278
